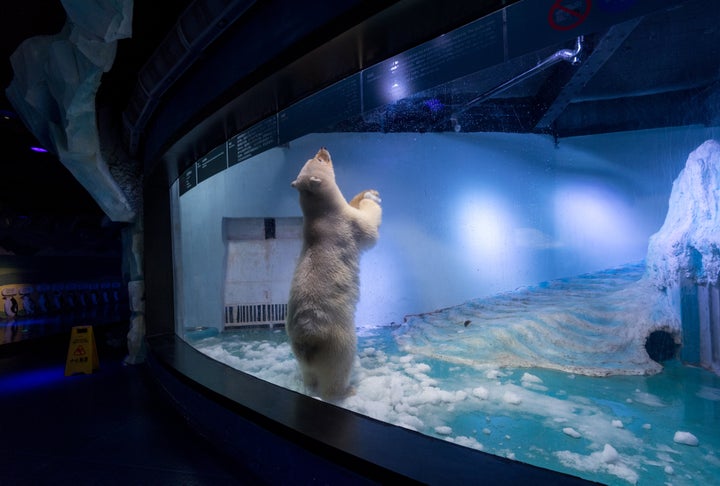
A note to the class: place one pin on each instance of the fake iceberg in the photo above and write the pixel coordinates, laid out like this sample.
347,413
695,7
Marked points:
683,258
687,245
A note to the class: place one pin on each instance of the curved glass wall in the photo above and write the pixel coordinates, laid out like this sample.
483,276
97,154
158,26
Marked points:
545,283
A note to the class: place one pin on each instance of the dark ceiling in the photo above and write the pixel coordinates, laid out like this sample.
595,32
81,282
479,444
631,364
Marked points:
654,71
43,209
658,70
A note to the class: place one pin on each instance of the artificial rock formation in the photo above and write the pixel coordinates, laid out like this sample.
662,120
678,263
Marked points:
56,79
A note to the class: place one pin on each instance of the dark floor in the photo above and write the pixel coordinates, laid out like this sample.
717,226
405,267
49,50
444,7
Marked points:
115,426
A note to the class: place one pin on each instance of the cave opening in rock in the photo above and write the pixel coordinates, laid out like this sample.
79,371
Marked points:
661,346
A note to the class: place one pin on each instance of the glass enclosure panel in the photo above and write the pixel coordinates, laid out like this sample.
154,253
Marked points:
545,283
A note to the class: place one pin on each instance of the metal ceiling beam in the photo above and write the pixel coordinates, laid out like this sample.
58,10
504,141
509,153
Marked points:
198,26
605,48
632,113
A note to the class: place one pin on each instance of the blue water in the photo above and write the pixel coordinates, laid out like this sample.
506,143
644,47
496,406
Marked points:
608,417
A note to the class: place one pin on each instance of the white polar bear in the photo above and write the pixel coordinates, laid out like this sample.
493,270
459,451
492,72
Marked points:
325,286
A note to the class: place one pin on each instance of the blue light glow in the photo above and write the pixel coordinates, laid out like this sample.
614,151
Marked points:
28,380
434,104
485,224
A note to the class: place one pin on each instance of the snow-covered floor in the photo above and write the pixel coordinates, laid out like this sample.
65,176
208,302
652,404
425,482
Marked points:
525,379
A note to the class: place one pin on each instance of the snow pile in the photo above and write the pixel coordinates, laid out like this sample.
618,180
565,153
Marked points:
688,244
465,441
481,392
608,460
512,398
572,432
686,438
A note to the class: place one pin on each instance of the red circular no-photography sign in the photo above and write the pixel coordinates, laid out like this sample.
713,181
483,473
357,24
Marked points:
568,14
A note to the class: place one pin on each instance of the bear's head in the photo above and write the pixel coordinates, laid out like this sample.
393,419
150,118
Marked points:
317,174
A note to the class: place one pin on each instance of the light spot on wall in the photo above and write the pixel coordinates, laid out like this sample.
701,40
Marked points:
596,221
485,225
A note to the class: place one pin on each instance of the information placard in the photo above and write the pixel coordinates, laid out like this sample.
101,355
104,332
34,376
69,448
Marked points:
256,139
212,163
322,110
463,51
187,180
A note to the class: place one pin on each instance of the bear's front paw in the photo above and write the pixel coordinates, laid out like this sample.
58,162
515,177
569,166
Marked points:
373,195
370,194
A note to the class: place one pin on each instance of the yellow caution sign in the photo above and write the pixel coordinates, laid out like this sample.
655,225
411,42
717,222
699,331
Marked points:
82,354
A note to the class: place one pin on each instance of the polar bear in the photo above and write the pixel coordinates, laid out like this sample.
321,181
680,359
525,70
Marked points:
325,286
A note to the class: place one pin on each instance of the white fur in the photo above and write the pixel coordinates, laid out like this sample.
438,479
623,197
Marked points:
325,286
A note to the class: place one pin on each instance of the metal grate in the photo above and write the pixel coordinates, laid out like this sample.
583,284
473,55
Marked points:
254,314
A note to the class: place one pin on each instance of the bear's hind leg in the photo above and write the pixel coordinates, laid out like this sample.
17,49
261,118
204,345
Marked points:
334,377
310,379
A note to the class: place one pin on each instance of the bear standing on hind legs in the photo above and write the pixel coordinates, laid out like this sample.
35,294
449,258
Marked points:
326,283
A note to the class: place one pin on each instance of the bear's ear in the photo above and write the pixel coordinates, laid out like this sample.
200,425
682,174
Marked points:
306,183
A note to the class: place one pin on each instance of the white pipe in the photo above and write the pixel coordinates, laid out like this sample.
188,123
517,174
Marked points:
568,55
